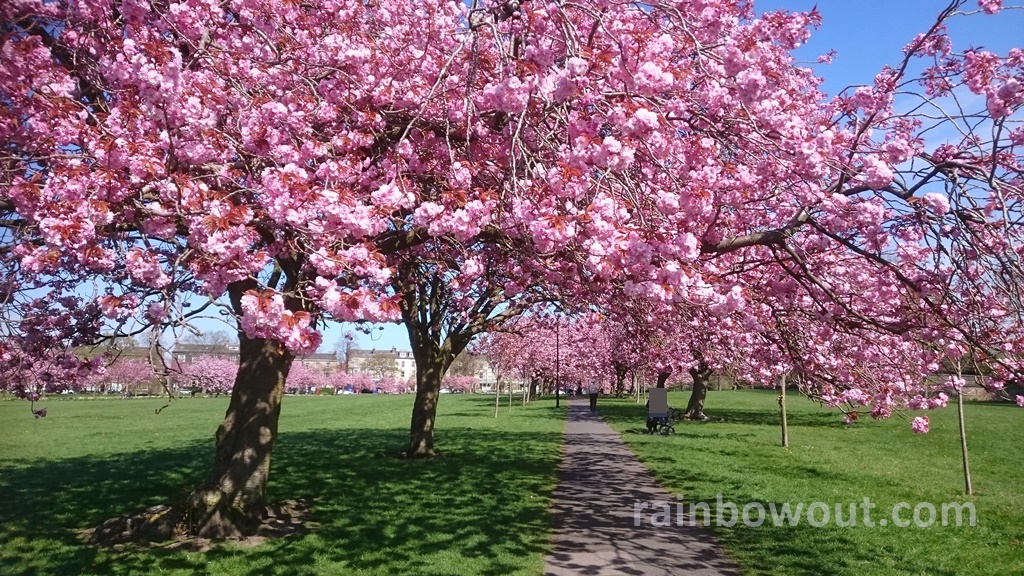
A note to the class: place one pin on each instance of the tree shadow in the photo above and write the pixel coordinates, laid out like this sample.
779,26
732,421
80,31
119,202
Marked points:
481,507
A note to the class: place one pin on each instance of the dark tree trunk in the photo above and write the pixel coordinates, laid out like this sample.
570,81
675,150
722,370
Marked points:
663,378
620,379
695,407
424,412
232,502
433,355
783,413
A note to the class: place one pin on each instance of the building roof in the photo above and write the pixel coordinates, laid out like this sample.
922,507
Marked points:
373,352
320,357
180,348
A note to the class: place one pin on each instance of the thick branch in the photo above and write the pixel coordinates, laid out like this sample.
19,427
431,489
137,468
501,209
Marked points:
764,238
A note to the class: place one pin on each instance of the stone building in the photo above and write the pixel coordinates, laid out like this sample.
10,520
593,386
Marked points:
400,364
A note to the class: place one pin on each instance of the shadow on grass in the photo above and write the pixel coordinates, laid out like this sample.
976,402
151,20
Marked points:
480,508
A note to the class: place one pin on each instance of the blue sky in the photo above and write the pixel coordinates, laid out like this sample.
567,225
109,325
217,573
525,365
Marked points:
869,34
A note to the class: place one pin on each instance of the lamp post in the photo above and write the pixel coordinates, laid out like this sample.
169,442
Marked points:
557,381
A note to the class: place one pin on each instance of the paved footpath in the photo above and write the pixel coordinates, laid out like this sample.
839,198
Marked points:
600,481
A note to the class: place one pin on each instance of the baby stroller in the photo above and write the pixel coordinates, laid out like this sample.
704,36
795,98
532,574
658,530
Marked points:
663,423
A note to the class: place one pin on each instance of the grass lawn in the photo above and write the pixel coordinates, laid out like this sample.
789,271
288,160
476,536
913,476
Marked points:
480,509
738,454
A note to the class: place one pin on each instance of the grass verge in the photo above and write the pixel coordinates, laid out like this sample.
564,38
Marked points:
482,508
738,455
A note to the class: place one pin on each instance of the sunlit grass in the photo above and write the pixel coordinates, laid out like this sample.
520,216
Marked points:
479,509
738,455
482,507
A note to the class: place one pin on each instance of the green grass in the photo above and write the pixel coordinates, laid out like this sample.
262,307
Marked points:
479,509
738,454
482,508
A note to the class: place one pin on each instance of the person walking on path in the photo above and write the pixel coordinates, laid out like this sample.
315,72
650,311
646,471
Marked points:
594,390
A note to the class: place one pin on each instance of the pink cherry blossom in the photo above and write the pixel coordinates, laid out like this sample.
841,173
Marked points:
206,374
920,425
991,6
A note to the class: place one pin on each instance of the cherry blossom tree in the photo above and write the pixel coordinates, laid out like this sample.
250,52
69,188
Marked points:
206,374
762,336
461,383
453,291
519,351
540,346
630,352
303,379
395,385
354,382
126,375
434,161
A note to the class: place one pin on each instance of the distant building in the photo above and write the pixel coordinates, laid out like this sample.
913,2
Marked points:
402,365
484,371
187,353
326,362
379,363
382,363
973,389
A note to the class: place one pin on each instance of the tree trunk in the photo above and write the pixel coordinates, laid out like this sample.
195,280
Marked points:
663,378
620,379
695,407
782,413
232,501
430,367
